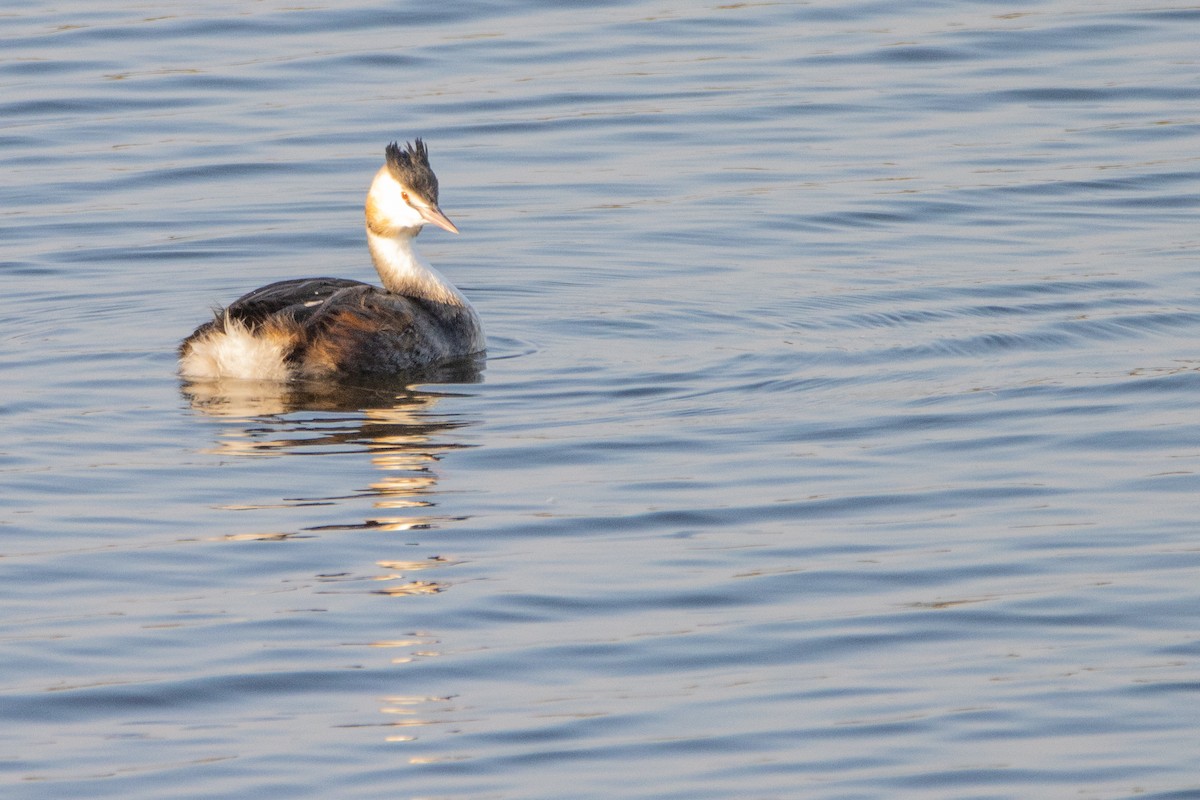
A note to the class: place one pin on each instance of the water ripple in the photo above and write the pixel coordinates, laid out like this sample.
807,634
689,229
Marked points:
836,436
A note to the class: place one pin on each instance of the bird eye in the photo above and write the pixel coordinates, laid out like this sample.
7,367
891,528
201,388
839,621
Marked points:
405,196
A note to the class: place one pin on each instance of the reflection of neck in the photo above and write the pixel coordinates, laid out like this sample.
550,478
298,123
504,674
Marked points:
404,271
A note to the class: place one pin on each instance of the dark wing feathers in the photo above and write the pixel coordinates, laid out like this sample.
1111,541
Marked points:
341,326
301,297
292,301
367,330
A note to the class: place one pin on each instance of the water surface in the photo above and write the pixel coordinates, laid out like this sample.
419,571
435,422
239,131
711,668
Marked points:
836,439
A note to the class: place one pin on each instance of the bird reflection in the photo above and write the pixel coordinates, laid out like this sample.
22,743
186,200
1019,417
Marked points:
242,398
389,421
394,426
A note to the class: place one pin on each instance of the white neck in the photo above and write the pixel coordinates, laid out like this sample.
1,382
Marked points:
404,271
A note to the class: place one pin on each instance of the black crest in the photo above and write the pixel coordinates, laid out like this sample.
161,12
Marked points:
410,166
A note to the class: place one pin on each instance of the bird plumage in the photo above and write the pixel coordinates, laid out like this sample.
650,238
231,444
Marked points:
322,328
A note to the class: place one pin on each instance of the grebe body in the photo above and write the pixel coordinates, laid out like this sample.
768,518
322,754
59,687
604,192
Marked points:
322,328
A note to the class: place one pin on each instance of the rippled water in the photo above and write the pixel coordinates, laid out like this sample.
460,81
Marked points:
837,438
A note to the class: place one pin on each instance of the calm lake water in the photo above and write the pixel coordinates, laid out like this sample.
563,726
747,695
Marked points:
838,435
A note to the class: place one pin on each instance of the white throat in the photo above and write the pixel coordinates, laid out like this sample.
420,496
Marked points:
404,271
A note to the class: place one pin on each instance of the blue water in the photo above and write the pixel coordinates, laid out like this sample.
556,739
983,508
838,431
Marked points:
837,438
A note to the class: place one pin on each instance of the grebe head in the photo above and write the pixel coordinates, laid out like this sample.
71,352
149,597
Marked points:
404,194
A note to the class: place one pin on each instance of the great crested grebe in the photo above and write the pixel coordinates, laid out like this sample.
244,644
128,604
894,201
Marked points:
321,328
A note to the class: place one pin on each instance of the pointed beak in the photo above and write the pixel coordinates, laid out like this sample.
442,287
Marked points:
434,215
